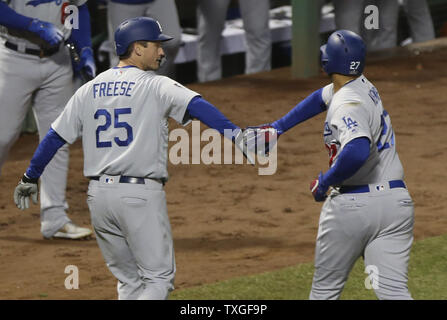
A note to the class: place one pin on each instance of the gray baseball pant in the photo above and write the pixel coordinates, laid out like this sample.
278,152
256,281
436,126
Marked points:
46,84
134,234
211,16
377,225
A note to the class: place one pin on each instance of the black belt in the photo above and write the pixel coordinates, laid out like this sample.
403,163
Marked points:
133,180
365,188
35,52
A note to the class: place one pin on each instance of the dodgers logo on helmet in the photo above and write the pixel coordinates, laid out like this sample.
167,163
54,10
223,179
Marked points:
159,27
344,53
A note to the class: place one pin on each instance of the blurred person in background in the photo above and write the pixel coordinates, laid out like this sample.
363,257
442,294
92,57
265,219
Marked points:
351,15
419,19
211,15
164,11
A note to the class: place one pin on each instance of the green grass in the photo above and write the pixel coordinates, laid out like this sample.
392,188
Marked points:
427,280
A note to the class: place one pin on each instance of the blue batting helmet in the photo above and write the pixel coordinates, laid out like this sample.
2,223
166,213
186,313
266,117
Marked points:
136,29
344,53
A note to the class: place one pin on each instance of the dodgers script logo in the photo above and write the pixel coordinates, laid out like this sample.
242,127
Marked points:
35,3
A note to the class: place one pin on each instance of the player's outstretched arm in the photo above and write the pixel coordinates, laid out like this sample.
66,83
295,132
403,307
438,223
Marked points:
351,159
82,39
262,138
199,108
27,186
311,106
204,111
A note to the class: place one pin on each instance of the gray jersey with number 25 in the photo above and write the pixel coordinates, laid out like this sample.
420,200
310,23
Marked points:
122,116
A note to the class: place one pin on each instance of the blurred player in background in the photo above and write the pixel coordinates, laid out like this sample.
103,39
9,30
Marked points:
211,16
419,20
164,11
35,69
350,15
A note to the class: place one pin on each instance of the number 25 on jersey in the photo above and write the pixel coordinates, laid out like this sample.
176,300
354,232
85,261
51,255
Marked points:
117,124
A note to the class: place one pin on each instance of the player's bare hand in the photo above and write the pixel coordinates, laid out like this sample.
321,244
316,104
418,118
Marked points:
319,188
25,189
260,139
47,31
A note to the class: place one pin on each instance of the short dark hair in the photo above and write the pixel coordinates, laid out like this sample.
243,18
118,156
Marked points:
129,50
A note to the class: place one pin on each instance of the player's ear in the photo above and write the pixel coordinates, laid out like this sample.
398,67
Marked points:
137,48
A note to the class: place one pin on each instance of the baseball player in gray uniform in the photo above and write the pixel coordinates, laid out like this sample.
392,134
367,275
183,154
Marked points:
164,11
122,117
350,15
368,211
419,19
35,69
211,15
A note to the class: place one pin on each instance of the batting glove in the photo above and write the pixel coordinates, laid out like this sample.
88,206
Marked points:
27,187
47,31
86,65
239,141
260,139
319,188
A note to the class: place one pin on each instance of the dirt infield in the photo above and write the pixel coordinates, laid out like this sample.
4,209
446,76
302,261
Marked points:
228,221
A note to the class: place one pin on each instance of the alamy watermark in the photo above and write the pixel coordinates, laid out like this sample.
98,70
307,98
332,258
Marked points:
218,150
372,20
372,280
71,13
72,280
